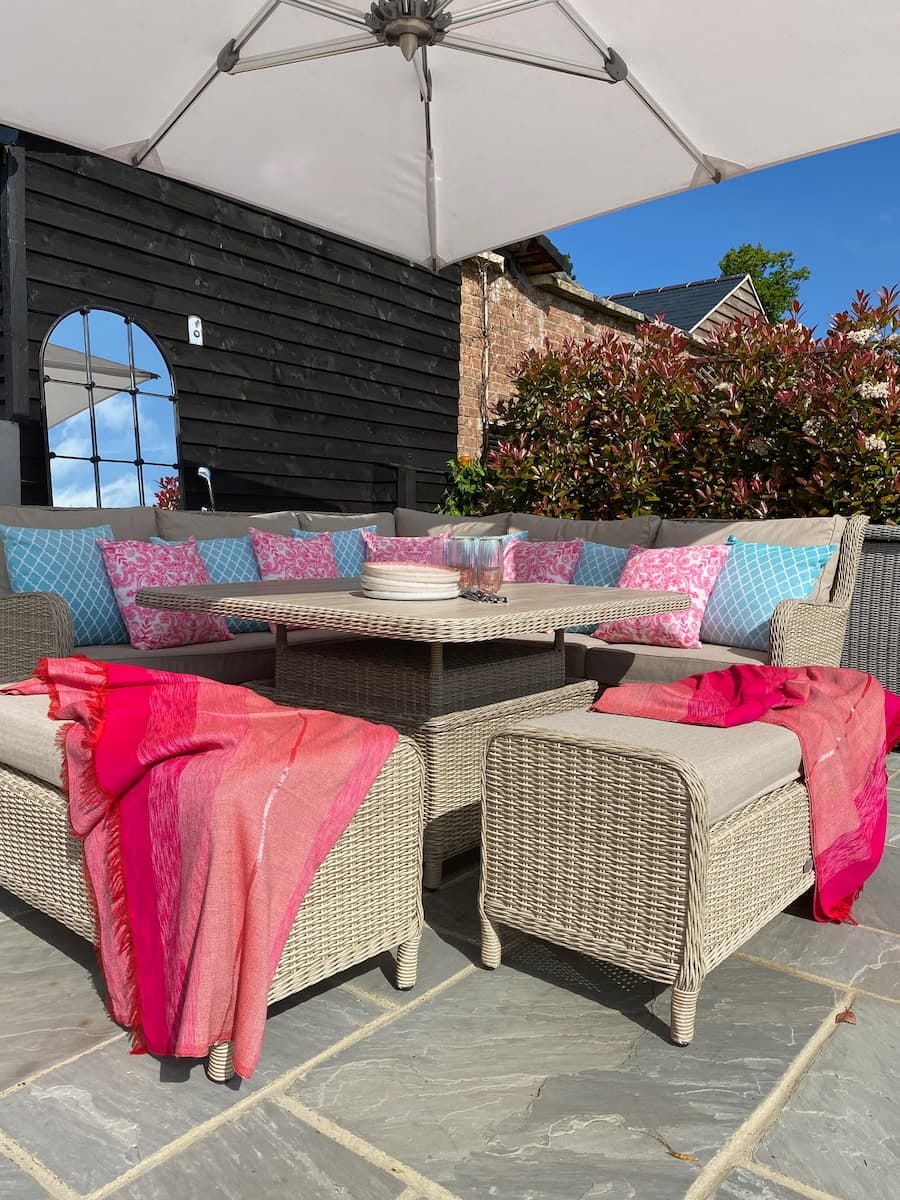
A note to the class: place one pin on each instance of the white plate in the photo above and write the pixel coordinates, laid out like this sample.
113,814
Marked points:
373,595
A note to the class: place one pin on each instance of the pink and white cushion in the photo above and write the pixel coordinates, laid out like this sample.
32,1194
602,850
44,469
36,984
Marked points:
282,557
691,569
402,549
541,562
135,565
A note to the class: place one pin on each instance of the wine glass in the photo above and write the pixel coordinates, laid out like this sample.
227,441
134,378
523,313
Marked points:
460,555
489,571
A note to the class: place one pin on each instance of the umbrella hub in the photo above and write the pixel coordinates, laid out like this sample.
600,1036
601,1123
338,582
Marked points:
409,24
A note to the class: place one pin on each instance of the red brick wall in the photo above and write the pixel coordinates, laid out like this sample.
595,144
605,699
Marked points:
517,317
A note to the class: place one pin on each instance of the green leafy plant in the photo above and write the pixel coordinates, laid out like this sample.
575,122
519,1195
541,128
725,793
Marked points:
770,421
466,493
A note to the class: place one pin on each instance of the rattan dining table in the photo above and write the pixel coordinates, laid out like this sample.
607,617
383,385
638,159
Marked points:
449,673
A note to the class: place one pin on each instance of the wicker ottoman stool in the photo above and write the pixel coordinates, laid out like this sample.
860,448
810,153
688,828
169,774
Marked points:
365,898
658,847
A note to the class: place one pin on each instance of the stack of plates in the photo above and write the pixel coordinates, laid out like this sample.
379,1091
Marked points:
408,581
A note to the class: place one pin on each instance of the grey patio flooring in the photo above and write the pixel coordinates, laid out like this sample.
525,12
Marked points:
549,1079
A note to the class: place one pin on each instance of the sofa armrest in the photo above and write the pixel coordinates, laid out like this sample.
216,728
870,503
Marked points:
33,625
804,634
849,555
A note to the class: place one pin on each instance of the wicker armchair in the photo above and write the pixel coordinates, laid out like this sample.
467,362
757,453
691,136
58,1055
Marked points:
33,625
806,634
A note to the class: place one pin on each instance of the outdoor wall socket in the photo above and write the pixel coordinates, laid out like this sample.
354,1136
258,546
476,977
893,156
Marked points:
195,331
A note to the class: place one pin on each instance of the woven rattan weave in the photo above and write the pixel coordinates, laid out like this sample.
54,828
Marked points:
384,676
453,747
364,899
607,849
873,635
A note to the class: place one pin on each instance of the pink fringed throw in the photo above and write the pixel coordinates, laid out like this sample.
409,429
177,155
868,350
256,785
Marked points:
845,721
205,811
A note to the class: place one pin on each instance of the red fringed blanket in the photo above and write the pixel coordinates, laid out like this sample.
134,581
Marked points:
845,721
205,811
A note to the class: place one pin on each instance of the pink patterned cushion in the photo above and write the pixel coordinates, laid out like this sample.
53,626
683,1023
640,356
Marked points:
282,557
135,565
541,562
691,569
401,549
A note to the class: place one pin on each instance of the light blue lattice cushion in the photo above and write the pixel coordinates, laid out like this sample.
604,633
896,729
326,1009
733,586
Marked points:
68,562
756,577
598,566
230,560
348,545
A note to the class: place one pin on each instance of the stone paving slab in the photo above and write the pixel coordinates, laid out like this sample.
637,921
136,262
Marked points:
440,958
265,1154
50,1006
840,1130
94,1119
744,1185
844,954
879,905
16,1185
509,1081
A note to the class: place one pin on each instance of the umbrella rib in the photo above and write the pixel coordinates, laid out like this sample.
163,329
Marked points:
296,54
642,94
424,77
226,58
496,8
326,8
471,46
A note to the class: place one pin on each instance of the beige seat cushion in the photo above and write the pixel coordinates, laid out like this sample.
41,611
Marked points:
248,656
631,663
738,765
638,531
412,523
324,522
175,526
783,531
28,738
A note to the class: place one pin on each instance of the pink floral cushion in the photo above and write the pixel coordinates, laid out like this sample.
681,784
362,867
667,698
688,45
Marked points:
541,562
691,569
280,556
135,565
402,549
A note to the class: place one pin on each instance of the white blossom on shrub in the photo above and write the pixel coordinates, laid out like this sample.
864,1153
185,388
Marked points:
860,336
874,391
874,442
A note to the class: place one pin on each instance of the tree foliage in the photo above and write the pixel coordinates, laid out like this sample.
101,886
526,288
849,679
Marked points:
776,279
770,422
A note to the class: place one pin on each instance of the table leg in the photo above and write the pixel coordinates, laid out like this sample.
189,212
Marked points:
559,645
437,658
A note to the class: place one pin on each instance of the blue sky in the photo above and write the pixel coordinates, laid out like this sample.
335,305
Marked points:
838,212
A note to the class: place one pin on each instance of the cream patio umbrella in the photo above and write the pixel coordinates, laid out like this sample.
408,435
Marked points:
65,380
437,128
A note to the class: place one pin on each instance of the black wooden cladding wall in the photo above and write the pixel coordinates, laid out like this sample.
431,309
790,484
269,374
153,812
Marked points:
325,365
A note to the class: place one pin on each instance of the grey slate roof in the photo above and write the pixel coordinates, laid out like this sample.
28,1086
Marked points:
683,305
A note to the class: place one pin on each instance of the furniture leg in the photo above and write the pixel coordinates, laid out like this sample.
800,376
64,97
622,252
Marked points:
408,962
219,1064
491,948
684,1011
432,865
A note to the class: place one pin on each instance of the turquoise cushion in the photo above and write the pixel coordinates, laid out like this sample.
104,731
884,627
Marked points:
230,560
756,577
349,548
68,562
598,566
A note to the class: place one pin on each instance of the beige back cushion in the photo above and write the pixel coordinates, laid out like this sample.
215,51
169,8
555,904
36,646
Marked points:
324,522
412,523
637,531
127,523
784,531
175,526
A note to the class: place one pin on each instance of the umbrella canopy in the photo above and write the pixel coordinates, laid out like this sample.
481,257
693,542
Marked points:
511,117
65,380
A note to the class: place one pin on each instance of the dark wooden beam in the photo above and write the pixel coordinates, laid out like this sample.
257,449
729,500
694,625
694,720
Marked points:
13,282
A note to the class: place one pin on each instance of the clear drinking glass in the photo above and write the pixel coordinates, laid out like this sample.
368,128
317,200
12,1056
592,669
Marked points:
460,555
489,572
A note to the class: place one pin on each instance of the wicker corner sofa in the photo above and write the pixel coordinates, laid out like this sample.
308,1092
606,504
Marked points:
801,632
